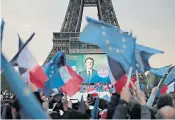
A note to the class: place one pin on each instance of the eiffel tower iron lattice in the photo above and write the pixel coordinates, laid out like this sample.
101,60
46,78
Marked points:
68,38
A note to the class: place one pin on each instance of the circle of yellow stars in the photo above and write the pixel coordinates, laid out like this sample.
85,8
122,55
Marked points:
118,51
51,72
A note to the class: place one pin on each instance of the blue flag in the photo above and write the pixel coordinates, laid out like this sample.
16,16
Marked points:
51,69
95,111
24,95
2,28
21,43
170,78
160,72
117,44
142,54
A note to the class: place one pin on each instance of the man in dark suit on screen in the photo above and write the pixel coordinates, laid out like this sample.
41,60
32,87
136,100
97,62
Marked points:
89,74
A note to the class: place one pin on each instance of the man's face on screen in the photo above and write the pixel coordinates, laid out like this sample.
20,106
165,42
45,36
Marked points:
89,64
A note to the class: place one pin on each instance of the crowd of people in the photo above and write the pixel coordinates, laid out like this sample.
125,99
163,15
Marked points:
129,104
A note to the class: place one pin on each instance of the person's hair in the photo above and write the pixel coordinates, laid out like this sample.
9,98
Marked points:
89,59
74,114
164,100
135,112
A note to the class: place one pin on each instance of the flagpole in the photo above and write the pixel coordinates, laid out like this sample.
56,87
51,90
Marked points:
129,76
13,60
137,77
160,82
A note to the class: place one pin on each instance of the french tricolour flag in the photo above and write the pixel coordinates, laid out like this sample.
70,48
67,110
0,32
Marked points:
34,71
61,75
118,76
168,88
72,81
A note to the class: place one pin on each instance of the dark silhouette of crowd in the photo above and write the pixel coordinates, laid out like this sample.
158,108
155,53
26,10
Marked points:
129,104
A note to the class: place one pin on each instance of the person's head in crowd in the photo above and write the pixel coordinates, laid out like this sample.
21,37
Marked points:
6,111
135,112
103,104
115,98
166,112
173,96
74,114
164,100
55,115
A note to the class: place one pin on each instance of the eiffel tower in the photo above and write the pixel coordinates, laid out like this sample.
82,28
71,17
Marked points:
68,38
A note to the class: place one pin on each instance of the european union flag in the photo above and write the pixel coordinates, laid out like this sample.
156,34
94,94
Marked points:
24,95
170,78
117,44
142,55
160,72
51,69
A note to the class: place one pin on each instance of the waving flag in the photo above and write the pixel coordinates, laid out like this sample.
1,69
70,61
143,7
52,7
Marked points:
13,61
24,95
117,44
2,28
168,88
61,75
160,72
142,54
36,74
118,76
170,78
21,43
95,112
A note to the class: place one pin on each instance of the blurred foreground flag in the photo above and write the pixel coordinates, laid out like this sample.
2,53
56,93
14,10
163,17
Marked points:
142,54
27,100
117,44
160,72
118,76
95,112
170,78
61,75
35,72
2,28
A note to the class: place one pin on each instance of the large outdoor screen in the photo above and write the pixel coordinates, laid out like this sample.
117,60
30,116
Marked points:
93,68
